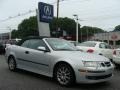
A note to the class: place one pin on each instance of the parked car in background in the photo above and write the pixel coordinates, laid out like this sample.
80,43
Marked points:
58,58
11,42
2,48
96,47
116,56
73,42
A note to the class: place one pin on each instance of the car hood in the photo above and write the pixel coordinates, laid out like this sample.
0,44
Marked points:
78,55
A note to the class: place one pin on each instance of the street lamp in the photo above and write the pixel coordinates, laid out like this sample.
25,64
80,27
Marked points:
10,34
76,16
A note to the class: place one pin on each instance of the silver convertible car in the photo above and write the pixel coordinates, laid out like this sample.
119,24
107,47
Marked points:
58,58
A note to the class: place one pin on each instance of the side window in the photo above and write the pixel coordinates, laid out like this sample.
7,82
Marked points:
35,43
25,43
104,46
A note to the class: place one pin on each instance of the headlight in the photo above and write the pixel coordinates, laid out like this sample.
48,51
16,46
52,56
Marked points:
91,64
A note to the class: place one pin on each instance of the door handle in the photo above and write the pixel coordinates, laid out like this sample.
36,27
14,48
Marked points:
27,52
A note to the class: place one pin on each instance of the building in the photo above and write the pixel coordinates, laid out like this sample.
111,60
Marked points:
4,37
112,38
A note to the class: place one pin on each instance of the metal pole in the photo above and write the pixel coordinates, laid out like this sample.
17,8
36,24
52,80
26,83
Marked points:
102,37
37,14
77,30
114,44
76,27
108,38
57,8
57,17
81,34
10,34
76,16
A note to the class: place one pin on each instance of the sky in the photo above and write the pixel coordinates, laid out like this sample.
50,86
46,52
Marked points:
104,14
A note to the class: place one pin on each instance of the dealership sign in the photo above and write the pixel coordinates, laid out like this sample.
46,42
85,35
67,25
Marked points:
45,12
114,37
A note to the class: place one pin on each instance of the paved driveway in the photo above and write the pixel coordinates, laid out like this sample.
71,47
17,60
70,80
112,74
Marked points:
23,80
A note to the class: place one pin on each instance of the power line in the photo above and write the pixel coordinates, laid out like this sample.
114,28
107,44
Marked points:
28,12
18,15
86,19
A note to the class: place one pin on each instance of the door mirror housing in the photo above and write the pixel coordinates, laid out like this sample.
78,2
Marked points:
41,48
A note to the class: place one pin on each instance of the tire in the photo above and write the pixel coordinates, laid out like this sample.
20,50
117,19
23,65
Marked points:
117,66
12,64
64,75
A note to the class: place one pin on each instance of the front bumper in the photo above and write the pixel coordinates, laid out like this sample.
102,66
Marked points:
94,76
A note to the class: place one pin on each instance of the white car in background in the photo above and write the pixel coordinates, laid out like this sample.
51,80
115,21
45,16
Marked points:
116,56
96,47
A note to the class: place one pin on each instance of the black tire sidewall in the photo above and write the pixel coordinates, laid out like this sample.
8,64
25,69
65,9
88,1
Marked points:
12,58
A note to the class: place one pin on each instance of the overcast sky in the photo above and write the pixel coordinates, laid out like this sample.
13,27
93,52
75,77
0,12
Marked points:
104,14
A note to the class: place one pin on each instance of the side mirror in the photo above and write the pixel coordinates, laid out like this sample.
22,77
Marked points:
41,48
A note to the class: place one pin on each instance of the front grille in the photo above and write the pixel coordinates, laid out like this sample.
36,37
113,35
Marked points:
106,64
98,77
95,71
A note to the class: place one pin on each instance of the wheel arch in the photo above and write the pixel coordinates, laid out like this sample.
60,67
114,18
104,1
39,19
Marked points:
62,62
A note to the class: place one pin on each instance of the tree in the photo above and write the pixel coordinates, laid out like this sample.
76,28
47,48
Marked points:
14,33
28,27
88,31
117,28
66,24
91,30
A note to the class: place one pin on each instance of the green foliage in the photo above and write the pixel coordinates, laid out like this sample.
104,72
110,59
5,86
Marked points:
117,28
28,27
66,24
91,30
14,33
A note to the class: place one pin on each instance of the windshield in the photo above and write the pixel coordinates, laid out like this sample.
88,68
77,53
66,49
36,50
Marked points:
60,44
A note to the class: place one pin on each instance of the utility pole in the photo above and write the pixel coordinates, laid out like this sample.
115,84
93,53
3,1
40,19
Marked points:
57,17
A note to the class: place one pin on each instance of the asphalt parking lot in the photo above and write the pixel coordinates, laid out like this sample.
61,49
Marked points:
23,80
